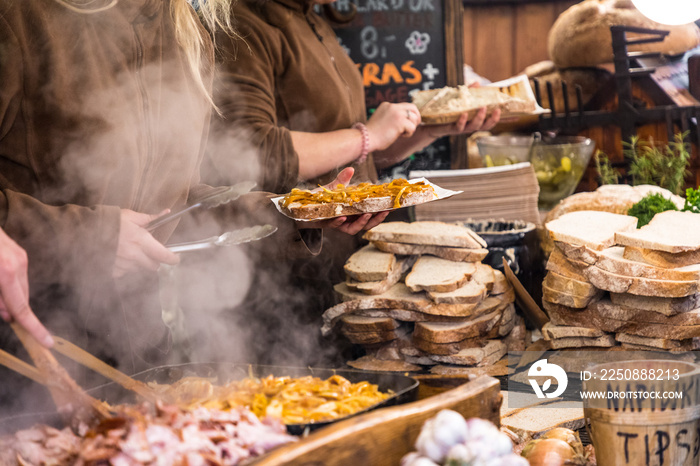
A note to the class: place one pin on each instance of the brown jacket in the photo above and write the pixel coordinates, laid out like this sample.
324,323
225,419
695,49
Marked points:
286,72
97,112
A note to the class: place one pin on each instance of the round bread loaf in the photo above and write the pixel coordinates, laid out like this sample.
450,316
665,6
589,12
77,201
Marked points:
581,35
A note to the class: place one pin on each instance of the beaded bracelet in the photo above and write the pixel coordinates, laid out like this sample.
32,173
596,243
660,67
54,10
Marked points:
365,142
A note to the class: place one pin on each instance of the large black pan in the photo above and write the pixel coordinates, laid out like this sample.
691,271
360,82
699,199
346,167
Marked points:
404,389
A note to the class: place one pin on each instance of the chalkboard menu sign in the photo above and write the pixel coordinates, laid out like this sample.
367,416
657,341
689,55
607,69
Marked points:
405,45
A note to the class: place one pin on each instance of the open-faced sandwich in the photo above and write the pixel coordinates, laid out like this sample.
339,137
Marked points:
357,199
445,105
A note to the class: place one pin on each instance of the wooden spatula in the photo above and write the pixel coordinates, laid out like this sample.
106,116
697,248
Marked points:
81,356
70,399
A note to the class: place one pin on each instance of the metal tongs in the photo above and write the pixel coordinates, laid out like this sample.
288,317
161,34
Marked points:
216,197
244,235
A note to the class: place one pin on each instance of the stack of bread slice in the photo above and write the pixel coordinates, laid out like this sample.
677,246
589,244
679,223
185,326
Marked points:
419,295
647,281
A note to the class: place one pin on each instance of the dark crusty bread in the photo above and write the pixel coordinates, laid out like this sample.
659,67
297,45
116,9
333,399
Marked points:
337,209
370,363
444,252
427,233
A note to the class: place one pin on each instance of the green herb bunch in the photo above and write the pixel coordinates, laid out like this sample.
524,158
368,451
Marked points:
650,205
665,166
606,172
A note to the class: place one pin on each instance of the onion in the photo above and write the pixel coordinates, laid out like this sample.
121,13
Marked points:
548,452
567,435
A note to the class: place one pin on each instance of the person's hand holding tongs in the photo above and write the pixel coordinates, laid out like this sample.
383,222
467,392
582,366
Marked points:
138,249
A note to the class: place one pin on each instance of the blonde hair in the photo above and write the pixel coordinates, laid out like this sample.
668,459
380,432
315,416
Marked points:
215,14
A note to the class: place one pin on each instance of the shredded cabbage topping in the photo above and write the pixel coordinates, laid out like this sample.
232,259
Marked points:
301,400
398,189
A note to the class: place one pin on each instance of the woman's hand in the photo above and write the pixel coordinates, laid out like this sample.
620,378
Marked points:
464,125
137,248
352,224
390,122
14,290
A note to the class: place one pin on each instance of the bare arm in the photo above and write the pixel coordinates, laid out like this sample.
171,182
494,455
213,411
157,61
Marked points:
14,290
320,153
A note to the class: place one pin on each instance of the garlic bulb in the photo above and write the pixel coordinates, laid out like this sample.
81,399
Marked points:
440,433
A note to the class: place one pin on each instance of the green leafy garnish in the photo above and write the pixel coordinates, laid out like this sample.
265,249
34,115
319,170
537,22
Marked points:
692,201
650,205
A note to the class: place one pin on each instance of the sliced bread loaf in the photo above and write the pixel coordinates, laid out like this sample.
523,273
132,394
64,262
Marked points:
430,273
469,293
428,232
570,286
500,283
553,332
371,363
661,258
444,252
593,317
604,341
590,228
670,231
402,266
640,286
665,306
358,324
489,354
569,300
613,260
446,332
564,266
400,297
369,264
659,343
444,349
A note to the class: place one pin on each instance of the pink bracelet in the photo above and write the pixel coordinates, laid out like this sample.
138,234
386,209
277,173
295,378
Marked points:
365,142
